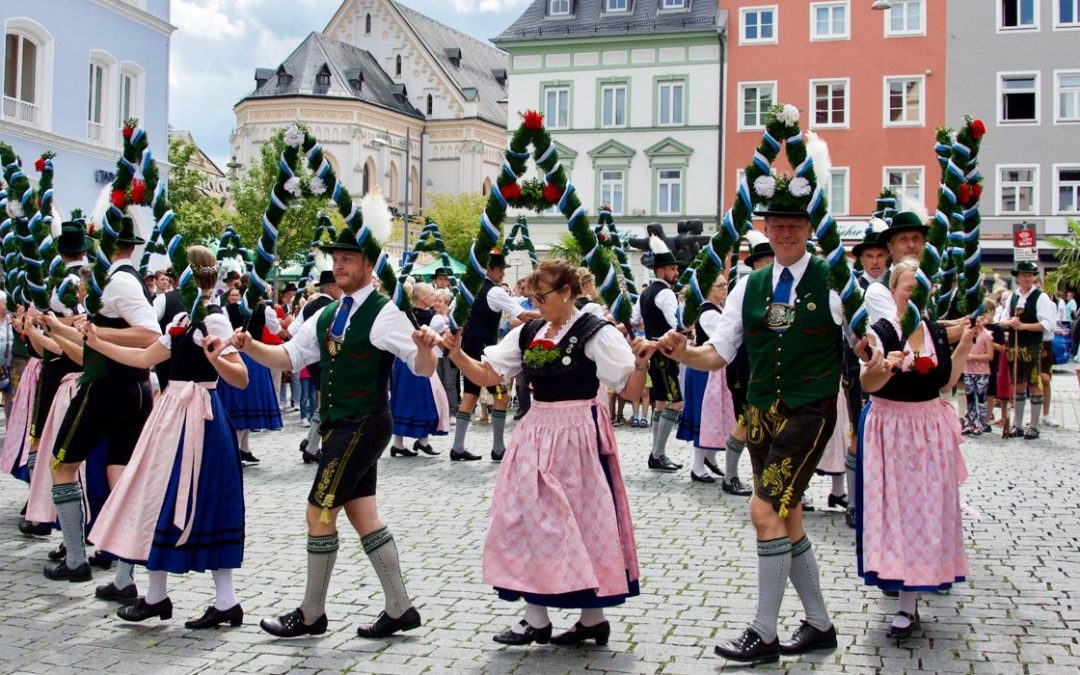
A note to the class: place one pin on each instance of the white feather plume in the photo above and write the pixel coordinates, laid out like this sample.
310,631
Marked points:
905,203
818,150
658,245
324,262
755,237
877,225
377,214
101,205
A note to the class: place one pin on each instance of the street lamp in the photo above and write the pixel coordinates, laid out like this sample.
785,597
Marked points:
382,142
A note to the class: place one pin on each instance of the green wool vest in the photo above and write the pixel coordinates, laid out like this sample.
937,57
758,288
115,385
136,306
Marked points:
355,379
1030,314
802,364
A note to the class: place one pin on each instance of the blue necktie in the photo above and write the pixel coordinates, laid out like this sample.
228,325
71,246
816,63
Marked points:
782,294
337,330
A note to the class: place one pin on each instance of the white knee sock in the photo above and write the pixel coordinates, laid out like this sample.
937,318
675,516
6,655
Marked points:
424,440
710,455
535,615
226,593
908,603
399,442
242,439
592,616
159,586
838,485
699,462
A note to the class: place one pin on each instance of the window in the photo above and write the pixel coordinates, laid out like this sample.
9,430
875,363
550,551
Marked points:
903,101
367,25
557,107
1016,189
559,7
397,65
670,105
1068,14
905,17
906,181
1067,96
669,192
20,78
616,5
673,4
127,97
839,204
613,105
830,103
758,25
1017,15
612,188
1067,179
95,116
755,100
1019,98
430,105
829,21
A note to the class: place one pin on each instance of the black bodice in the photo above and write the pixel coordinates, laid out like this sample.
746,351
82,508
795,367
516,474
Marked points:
700,335
423,316
909,385
572,376
189,363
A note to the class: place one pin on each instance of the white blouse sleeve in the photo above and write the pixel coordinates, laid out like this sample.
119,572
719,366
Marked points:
218,325
611,353
505,357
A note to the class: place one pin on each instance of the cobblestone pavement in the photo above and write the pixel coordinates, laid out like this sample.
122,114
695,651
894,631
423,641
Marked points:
1018,613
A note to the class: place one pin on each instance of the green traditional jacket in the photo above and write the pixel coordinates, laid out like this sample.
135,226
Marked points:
355,373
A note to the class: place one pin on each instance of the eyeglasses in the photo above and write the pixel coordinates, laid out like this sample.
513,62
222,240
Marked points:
541,298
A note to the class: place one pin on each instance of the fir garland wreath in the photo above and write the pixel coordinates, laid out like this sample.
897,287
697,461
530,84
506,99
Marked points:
519,240
9,248
21,207
65,284
607,233
966,158
324,231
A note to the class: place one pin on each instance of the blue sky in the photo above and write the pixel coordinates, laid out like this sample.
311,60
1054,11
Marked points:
220,43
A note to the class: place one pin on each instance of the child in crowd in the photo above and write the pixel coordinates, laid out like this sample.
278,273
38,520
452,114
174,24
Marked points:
977,379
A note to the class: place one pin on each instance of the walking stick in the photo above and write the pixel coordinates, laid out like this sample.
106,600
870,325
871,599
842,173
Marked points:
1006,433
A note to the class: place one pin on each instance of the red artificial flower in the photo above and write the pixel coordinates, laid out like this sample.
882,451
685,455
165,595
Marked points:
511,192
138,191
552,194
533,120
128,131
119,199
976,191
90,230
923,364
39,164
978,129
964,193
601,237
176,331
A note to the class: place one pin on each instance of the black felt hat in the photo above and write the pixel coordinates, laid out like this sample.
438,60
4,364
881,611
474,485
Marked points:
326,277
73,239
905,221
1025,267
127,232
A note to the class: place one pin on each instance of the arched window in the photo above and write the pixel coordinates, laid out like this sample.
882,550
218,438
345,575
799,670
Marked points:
369,175
392,197
397,65
28,58
101,115
487,187
367,25
131,92
430,105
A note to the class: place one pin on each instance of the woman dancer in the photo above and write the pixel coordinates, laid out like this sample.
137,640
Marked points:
418,404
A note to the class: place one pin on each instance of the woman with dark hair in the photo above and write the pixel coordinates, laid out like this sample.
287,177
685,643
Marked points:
560,532
179,506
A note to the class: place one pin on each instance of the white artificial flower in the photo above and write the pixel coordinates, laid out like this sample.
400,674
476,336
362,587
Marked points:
788,115
799,187
15,209
292,186
765,186
294,137
318,187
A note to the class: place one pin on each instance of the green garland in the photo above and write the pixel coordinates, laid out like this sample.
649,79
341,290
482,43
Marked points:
519,240
23,207
429,241
966,158
323,228
9,248
609,236
60,280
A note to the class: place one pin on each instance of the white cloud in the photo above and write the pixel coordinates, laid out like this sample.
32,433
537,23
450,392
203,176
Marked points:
480,6
207,19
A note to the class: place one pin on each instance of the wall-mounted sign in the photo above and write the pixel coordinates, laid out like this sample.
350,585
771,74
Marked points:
1025,243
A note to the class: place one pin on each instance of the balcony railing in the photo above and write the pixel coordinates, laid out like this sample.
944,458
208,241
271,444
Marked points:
95,132
20,111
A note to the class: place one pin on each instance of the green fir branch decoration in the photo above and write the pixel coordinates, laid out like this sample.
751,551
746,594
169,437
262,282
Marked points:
966,152
9,249
22,207
65,284
519,240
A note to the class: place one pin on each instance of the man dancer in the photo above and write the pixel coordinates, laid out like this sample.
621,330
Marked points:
328,292
657,308
482,330
905,237
355,341
113,402
790,321
1031,314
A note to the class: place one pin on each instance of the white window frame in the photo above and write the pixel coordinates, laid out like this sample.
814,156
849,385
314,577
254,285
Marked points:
671,85
670,5
740,124
1057,185
846,206
887,14
1001,76
551,7
885,101
29,29
1058,119
886,170
662,182
743,11
548,120
1074,24
815,6
613,183
614,87
1001,28
847,103
138,98
608,9
109,131
999,189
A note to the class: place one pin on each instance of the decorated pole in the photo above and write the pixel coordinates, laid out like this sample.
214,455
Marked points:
324,231
429,241
9,248
966,156
519,240
23,207
67,290
609,236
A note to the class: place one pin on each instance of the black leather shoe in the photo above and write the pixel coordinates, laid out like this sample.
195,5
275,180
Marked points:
901,634
463,456
540,636
312,458
711,466
34,529
59,571
809,639
750,648
110,593
142,610
292,625
1031,434
662,463
101,561
579,633
426,449
735,487
701,479
308,457
807,507
214,617
385,625
58,554
402,452
497,456
840,501
849,517
1016,432
248,457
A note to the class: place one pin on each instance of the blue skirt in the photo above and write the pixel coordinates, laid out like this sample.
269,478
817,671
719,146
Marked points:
412,404
255,407
693,396
217,532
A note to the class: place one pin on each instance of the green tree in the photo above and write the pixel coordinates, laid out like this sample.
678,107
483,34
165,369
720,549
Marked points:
200,218
1067,275
566,249
458,217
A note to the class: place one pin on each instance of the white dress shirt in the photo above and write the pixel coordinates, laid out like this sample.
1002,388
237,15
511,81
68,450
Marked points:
391,331
1045,311
124,298
500,301
666,301
728,332
879,302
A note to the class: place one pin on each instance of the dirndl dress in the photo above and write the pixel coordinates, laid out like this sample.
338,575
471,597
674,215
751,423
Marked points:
835,455
418,404
255,407
17,435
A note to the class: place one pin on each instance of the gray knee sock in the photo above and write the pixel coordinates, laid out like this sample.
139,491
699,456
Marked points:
731,458
382,552
321,555
69,511
313,437
463,419
663,430
125,574
805,578
1018,418
498,425
774,565
849,472
1036,410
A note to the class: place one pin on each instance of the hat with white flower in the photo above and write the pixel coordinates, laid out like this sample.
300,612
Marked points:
782,195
